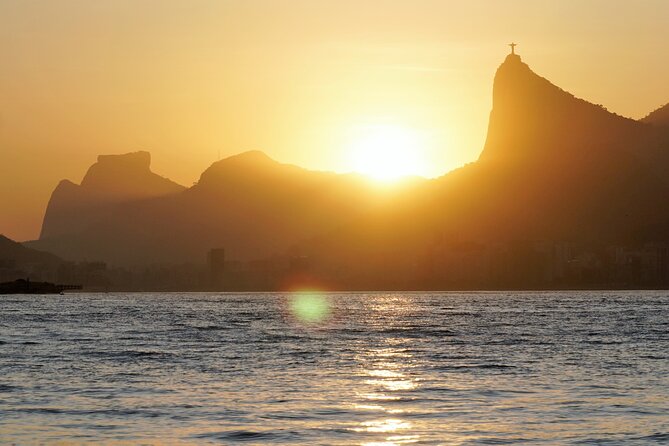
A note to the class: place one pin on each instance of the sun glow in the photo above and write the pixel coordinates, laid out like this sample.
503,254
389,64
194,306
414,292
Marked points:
388,152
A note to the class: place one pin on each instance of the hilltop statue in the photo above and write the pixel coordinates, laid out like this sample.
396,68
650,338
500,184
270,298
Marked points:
513,47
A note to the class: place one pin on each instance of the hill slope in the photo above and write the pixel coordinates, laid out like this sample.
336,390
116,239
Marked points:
659,117
19,262
554,168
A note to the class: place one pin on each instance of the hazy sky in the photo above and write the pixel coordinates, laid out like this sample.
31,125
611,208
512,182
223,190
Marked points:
294,78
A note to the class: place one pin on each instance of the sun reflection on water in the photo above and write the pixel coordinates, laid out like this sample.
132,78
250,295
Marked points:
388,379
394,440
402,384
387,425
378,396
385,373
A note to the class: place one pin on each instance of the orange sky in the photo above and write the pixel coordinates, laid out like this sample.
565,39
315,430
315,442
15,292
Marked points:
294,78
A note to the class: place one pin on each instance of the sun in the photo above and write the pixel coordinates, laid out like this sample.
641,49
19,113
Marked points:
388,152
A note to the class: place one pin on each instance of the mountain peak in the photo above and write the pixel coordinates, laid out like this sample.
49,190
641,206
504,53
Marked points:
111,167
250,156
112,179
252,162
140,158
512,58
532,117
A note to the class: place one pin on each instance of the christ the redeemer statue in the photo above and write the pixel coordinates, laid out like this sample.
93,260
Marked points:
513,47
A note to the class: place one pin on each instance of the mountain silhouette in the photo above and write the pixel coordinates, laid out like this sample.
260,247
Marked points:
112,180
531,117
249,203
16,252
20,262
554,167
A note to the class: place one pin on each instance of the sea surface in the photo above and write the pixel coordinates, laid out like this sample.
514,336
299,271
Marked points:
311,369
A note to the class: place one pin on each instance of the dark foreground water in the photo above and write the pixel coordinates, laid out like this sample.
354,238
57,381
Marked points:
371,369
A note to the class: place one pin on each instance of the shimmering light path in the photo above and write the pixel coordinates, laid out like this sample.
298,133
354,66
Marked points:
309,368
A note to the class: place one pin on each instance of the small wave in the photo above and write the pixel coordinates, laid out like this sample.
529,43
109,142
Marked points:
76,339
659,437
39,410
99,427
574,403
289,416
451,357
502,441
519,341
475,366
239,435
131,354
418,332
279,337
602,342
211,328
76,412
439,389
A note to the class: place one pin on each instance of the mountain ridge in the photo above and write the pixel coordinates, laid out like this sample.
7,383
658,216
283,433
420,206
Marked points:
248,202
553,167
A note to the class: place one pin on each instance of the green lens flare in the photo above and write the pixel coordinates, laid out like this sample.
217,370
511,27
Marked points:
310,308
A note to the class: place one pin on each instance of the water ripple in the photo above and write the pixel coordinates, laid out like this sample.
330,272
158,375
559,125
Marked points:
367,369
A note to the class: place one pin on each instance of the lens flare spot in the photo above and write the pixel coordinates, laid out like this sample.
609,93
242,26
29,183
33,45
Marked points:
310,308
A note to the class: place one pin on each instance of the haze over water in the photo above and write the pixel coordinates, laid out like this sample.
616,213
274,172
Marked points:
370,369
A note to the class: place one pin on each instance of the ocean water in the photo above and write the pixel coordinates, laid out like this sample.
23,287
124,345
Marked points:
366,369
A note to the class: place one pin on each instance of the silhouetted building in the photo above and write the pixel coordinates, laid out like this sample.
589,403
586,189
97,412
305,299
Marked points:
216,263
